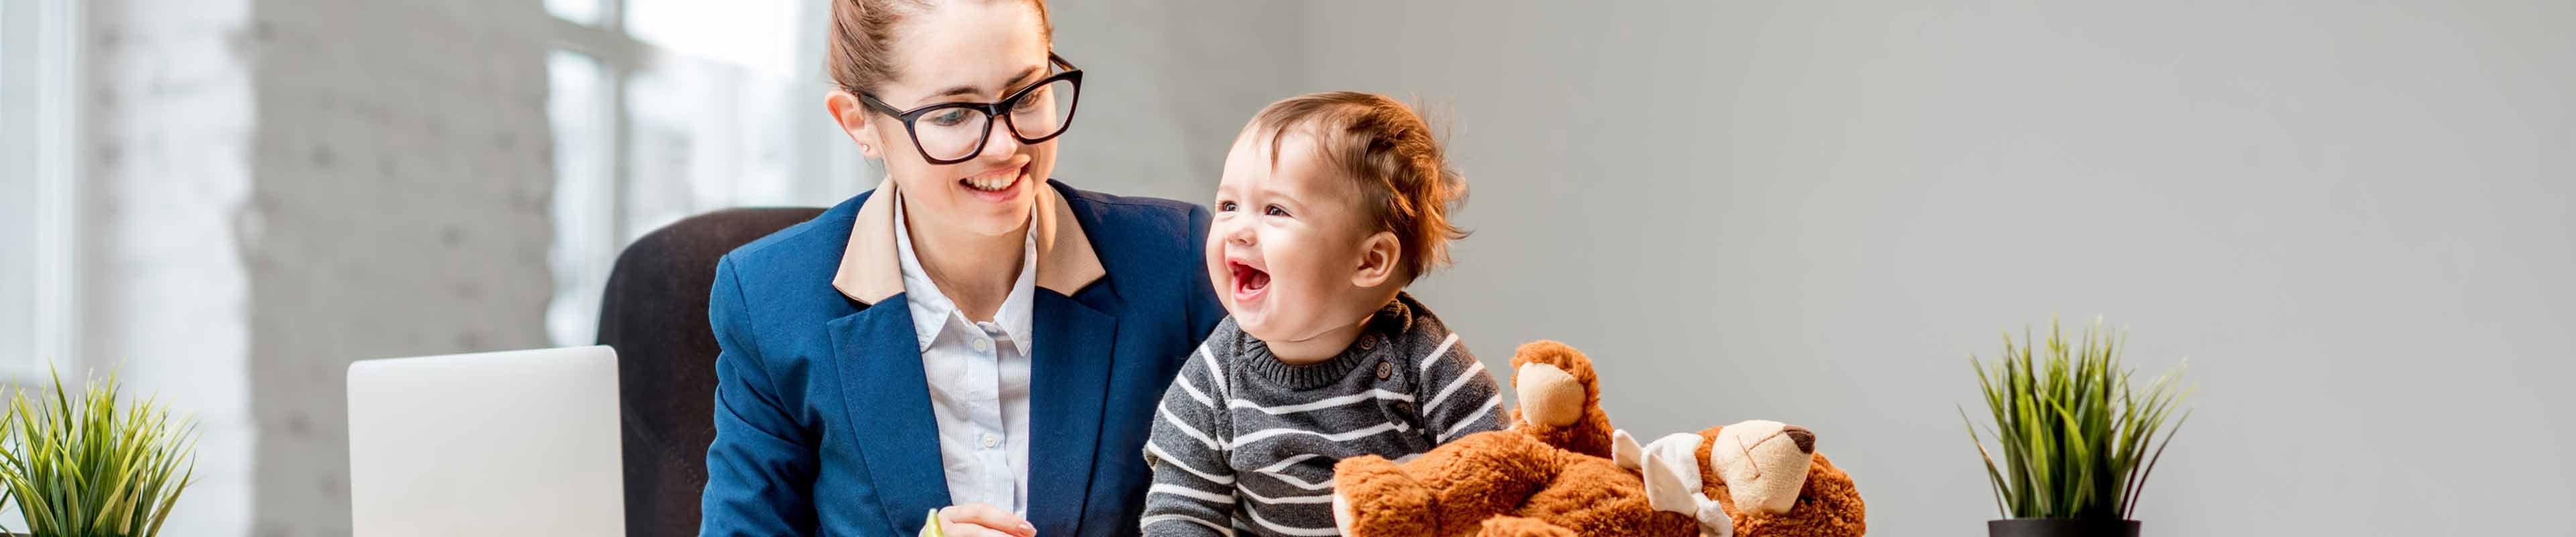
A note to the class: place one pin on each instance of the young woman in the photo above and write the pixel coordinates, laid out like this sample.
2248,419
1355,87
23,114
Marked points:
970,342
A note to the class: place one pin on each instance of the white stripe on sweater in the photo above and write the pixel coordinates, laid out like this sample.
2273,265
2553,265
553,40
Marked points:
1293,481
1186,429
1186,492
1327,402
1193,390
1149,521
1437,352
1291,530
1474,371
1472,419
1285,463
1166,456
1214,373
1344,436
1317,498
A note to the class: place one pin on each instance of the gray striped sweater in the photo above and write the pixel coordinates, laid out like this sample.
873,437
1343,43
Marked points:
1244,444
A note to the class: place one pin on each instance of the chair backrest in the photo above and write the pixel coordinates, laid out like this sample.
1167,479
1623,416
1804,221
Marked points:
655,314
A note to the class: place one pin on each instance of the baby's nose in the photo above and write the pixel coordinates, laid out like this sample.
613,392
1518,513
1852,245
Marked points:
1236,233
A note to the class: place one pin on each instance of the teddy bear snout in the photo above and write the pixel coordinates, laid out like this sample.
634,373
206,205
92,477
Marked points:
1806,439
1549,396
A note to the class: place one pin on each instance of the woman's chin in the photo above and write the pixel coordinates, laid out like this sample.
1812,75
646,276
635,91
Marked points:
994,220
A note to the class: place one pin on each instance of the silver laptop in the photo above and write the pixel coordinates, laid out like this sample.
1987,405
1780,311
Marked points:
502,443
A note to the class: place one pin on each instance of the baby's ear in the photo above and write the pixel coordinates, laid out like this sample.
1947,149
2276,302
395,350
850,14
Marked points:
1381,261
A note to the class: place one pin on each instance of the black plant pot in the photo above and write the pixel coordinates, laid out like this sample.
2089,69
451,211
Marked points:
2061,527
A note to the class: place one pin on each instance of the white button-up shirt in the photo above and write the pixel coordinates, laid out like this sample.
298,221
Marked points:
979,380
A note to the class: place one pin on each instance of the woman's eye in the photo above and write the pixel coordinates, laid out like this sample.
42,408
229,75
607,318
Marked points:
1274,210
1031,101
948,118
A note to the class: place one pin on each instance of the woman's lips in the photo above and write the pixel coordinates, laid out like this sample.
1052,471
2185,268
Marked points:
1249,283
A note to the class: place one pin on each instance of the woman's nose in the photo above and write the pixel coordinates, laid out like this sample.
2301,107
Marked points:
999,145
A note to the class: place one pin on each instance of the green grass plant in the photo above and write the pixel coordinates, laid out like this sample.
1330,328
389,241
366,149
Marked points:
2072,432
82,465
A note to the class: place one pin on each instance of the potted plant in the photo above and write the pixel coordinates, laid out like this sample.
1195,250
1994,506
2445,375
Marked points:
89,467
2072,433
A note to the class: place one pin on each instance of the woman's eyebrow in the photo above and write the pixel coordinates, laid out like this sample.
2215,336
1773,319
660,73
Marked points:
1025,76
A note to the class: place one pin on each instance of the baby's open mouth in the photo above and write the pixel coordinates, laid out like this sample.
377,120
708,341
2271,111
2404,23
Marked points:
1247,280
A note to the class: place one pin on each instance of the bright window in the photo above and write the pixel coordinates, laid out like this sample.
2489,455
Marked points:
36,156
664,109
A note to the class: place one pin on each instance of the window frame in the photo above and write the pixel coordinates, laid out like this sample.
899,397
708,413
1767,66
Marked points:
819,166
51,135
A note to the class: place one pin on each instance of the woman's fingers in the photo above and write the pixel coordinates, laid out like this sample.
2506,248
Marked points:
980,520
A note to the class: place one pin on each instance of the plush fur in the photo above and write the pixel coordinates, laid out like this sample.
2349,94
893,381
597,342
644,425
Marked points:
1554,475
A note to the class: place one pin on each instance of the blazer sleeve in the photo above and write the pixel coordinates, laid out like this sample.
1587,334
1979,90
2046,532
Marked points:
1204,310
761,466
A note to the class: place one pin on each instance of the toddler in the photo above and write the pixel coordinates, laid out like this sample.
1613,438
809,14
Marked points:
1330,205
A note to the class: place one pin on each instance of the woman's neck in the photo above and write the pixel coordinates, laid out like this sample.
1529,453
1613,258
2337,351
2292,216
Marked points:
974,271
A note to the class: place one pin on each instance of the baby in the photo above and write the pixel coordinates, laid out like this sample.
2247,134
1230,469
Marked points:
1330,205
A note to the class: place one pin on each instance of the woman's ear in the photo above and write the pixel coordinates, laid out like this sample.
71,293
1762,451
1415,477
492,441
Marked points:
853,119
1381,255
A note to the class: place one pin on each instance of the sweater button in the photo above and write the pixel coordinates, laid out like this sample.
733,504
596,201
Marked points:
1384,369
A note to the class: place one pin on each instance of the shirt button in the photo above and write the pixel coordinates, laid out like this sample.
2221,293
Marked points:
992,440
982,344
1384,369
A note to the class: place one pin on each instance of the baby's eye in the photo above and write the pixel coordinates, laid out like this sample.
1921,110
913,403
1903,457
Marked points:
1274,210
1225,206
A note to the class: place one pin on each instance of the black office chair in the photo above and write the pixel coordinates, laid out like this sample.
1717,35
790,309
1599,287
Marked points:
655,315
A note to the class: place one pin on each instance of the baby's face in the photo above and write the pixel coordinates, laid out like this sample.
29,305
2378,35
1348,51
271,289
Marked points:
1285,247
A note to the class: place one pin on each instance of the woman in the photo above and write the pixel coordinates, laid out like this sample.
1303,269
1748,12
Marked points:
967,342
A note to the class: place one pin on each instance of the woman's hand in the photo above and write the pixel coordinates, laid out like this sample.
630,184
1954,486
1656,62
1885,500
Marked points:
980,520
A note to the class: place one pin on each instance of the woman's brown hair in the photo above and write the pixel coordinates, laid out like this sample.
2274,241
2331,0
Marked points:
859,53
1386,150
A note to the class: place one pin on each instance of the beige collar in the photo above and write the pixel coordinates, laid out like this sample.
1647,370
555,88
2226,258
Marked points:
871,269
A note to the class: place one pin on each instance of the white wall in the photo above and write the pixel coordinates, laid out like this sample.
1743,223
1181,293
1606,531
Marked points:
166,172
280,187
2353,220
1166,85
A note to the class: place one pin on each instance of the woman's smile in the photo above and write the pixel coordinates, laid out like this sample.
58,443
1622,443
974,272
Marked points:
999,185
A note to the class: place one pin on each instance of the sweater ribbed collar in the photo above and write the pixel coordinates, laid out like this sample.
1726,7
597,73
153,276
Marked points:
1378,337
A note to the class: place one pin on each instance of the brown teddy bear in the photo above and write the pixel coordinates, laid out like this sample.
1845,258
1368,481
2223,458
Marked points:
1562,471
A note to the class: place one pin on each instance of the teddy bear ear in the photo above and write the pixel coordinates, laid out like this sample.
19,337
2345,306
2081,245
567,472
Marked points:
1625,451
1672,473
1671,469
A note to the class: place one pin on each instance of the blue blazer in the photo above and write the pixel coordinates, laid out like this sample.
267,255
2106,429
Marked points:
822,413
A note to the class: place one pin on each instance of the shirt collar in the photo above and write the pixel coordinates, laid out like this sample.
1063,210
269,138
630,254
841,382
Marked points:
932,311
870,270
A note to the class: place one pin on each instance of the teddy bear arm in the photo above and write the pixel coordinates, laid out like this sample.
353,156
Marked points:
1512,526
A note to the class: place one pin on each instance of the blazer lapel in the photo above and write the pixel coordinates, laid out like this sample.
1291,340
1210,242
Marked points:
888,403
1074,346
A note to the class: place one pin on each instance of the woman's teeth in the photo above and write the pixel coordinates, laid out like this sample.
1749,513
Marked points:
991,184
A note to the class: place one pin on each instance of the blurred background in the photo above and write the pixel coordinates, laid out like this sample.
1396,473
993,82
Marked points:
2346,215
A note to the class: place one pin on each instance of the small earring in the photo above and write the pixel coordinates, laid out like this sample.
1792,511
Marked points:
863,148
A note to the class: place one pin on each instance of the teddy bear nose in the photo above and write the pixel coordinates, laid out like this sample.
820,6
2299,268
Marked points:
1805,439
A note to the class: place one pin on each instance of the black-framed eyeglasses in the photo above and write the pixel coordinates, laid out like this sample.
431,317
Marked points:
949,133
